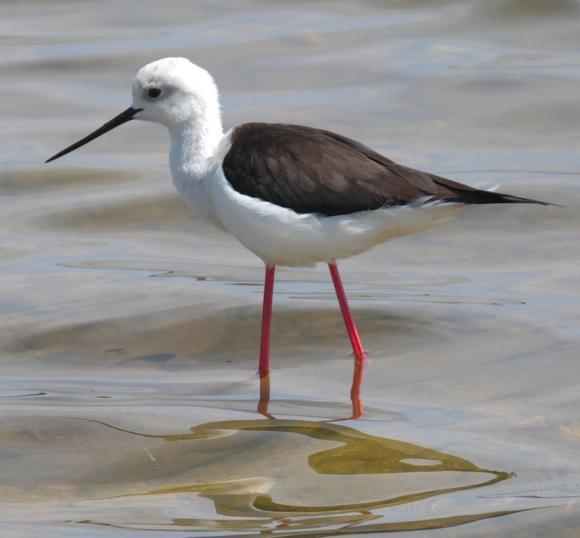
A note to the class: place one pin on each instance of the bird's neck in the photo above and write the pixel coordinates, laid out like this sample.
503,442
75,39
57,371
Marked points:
193,144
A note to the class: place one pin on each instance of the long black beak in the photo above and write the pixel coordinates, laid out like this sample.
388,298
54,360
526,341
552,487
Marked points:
123,117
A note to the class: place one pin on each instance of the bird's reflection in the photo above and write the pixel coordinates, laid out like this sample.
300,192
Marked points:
355,392
240,472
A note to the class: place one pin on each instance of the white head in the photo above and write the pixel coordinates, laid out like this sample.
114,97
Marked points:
173,92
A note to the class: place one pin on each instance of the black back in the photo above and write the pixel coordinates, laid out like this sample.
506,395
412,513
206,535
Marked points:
316,171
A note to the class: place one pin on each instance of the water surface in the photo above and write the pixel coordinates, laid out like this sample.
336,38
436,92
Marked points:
130,327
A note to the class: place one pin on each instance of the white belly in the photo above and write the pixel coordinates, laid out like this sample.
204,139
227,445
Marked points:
281,236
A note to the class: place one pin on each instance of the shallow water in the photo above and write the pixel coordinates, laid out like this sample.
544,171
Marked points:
128,402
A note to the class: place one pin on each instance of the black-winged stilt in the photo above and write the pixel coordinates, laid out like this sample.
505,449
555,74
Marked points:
293,195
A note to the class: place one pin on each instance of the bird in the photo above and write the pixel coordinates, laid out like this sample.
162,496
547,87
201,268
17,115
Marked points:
293,195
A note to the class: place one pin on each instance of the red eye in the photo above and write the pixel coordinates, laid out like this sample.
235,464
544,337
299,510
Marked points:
154,92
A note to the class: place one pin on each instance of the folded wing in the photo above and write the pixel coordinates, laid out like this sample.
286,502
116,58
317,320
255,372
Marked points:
316,171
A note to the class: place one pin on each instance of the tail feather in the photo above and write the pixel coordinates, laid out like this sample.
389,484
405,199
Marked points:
469,195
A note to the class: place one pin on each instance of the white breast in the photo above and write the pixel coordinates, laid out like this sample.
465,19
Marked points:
283,237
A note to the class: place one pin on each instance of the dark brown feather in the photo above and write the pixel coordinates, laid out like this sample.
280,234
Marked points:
316,171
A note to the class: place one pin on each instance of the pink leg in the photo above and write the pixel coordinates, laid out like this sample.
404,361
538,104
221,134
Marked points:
264,365
357,347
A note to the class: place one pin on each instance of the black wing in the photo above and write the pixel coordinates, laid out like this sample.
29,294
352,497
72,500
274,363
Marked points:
316,171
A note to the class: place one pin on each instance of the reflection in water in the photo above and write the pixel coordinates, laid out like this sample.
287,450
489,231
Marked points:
355,391
406,473
345,526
